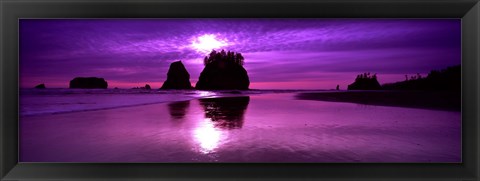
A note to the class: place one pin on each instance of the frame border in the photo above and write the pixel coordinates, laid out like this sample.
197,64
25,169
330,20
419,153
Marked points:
12,10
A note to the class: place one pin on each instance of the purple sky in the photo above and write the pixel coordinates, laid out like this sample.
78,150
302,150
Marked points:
279,53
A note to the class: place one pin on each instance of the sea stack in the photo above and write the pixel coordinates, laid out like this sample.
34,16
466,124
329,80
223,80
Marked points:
177,77
88,83
223,71
40,86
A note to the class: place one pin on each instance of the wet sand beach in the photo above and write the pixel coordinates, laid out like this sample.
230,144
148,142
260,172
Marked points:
255,128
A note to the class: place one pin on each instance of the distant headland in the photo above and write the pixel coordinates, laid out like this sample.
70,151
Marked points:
439,90
448,79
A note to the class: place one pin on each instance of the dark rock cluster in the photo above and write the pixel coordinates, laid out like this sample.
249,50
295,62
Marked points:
223,71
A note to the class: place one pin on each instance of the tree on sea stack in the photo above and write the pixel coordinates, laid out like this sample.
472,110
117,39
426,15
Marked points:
223,71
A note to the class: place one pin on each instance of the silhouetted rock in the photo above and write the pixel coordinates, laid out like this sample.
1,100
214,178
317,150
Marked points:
223,71
88,83
365,82
177,77
40,86
448,79
147,87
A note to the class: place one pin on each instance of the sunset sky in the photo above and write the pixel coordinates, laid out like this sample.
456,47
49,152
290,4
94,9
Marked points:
279,53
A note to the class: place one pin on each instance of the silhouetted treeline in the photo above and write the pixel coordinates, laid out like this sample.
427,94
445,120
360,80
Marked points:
365,81
446,79
229,57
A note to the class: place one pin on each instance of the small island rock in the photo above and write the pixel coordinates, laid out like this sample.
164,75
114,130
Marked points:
147,87
88,83
40,86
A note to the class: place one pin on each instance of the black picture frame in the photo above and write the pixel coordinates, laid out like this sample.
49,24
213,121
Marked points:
12,10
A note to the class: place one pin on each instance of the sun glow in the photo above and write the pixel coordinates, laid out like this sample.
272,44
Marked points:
207,42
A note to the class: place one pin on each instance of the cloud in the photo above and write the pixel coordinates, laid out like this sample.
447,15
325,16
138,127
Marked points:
275,50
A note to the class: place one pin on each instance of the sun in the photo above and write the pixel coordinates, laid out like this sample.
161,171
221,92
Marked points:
207,42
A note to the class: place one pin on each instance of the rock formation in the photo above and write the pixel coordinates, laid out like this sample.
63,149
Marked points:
177,77
223,71
365,82
88,83
147,87
40,86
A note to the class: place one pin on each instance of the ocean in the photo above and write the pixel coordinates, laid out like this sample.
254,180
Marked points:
54,101
134,125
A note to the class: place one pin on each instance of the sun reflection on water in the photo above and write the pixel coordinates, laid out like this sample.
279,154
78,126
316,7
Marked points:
207,136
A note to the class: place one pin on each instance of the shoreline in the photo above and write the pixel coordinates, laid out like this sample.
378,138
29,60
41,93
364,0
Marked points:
449,101
63,101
